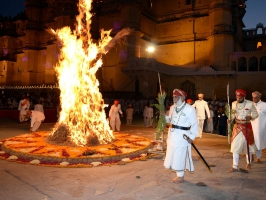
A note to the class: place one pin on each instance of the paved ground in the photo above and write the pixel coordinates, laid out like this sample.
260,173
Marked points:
27,182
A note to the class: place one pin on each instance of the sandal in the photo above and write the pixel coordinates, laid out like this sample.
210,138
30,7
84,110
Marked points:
178,180
243,170
232,170
248,167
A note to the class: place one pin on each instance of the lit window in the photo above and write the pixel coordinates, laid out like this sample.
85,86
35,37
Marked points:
259,45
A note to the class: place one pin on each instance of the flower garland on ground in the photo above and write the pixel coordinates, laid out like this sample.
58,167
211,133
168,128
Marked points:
33,149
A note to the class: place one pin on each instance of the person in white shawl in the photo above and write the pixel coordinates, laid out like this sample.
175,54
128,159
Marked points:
37,118
259,124
183,120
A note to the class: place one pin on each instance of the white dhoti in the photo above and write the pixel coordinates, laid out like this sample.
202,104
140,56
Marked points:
178,158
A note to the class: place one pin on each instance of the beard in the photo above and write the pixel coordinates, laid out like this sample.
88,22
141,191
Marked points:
179,102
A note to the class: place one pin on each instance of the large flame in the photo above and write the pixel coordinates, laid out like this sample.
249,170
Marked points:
82,106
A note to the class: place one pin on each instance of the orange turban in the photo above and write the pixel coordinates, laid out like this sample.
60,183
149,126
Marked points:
189,100
241,93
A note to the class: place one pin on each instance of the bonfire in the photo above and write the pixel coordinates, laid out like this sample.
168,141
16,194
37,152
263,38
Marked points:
82,118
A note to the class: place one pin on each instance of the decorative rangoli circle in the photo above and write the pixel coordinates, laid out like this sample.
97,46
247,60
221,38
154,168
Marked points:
33,149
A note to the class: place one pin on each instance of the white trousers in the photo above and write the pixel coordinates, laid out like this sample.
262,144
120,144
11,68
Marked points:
115,123
236,159
258,153
200,127
180,174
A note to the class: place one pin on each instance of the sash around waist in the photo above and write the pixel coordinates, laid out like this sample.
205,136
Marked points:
238,121
179,127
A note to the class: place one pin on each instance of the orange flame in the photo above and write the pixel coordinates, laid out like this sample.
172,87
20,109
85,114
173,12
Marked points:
81,101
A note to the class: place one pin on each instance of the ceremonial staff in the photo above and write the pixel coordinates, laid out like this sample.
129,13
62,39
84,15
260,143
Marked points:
160,128
160,83
229,116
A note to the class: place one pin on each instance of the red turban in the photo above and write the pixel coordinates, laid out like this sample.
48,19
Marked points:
241,93
189,100
178,92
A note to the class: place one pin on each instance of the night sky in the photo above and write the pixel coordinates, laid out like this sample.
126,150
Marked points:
255,11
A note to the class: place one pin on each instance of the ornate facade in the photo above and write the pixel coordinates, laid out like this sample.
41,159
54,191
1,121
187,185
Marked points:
200,46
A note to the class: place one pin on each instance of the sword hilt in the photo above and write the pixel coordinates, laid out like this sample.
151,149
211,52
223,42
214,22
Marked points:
185,137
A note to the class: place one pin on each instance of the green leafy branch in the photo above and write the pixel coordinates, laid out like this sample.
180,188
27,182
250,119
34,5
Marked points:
161,115
228,112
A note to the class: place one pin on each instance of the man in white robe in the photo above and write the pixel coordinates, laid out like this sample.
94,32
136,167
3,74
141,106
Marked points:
243,112
114,116
148,115
23,107
37,118
201,106
259,124
183,120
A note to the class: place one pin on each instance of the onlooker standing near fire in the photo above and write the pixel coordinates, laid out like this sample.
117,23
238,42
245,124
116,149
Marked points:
129,113
23,107
114,117
148,115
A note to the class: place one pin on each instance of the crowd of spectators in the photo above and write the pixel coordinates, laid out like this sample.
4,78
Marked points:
9,99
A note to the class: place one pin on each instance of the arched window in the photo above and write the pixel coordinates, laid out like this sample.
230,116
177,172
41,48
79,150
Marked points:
263,63
189,88
253,64
259,31
242,64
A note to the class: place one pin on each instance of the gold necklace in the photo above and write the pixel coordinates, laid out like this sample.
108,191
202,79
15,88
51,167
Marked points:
240,107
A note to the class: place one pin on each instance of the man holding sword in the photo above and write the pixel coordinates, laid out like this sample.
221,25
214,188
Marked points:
242,141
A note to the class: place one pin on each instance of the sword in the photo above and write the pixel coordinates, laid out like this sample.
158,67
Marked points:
247,143
204,161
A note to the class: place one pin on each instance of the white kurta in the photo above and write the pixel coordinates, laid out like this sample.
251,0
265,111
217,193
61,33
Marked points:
23,109
129,113
148,115
259,126
201,106
178,154
240,111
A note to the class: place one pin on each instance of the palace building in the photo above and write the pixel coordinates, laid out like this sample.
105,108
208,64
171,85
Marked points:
199,46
